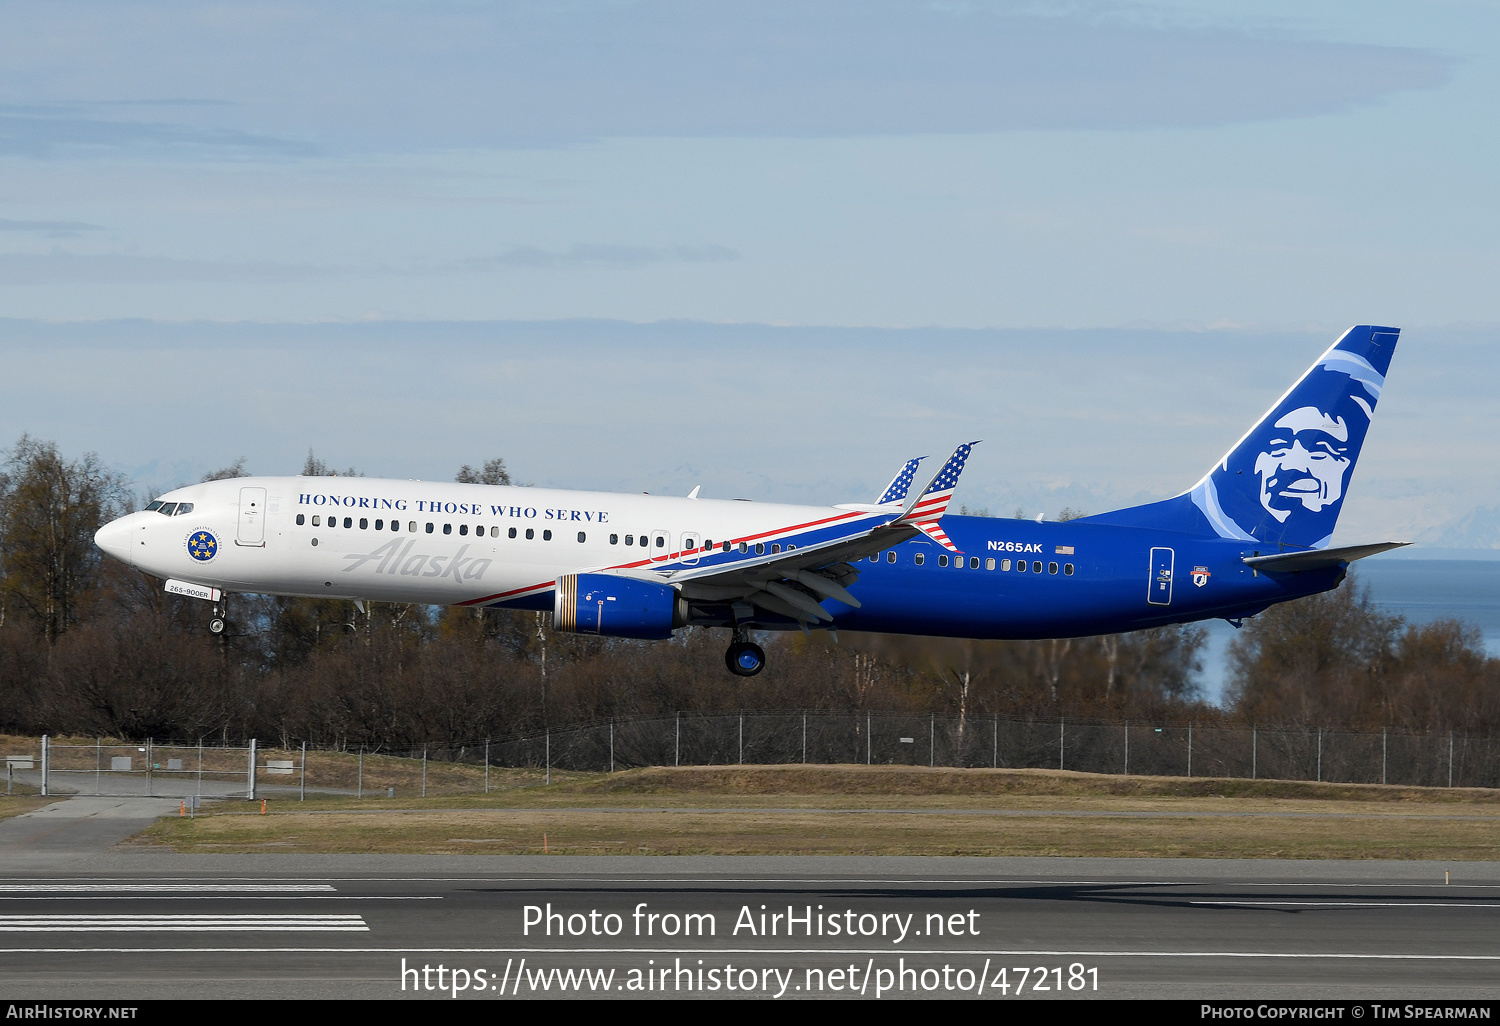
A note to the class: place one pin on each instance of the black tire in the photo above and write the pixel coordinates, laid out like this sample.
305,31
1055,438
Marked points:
216,625
745,659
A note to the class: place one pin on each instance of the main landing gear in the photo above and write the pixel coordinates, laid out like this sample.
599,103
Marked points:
744,657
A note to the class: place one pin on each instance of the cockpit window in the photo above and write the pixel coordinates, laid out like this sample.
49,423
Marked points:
167,508
183,507
154,506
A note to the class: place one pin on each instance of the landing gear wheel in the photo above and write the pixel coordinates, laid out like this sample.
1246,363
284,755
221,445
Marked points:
745,659
216,625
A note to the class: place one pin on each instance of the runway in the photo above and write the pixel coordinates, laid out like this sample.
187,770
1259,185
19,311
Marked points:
102,923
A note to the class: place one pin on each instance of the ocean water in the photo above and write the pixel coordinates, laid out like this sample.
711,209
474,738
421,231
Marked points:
1420,590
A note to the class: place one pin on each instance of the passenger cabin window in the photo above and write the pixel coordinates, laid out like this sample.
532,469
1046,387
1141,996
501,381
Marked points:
890,557
919,558
447,528
546,536
1021,565
614,539
463,529
530,533
760,548
364,523
1036,566
411,526
380,525
973,562
1052,568
942,561
630,539
511,533
1068,569
726,546
301,519
581,537
989,564
1005,564
317,520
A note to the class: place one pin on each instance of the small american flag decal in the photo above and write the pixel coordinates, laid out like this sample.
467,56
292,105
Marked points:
1064,550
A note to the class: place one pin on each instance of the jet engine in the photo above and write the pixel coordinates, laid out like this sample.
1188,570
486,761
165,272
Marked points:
618,607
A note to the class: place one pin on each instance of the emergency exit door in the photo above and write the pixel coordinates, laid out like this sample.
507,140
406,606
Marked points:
1160,593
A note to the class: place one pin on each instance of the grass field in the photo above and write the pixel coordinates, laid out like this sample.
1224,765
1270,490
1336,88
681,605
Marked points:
860,810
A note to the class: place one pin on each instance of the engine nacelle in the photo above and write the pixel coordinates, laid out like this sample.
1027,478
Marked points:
618,607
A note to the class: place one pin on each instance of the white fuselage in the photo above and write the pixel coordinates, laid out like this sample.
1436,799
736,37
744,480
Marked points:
427,542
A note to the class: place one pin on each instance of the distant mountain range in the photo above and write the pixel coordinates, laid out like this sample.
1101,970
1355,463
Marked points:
1479,529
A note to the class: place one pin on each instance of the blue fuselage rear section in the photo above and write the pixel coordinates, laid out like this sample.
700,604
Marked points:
1080,579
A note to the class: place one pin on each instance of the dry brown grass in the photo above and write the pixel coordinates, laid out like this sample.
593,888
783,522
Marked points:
859,810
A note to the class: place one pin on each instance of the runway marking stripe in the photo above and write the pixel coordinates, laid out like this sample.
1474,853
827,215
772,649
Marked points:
165,888
771,951
179,923
1353,904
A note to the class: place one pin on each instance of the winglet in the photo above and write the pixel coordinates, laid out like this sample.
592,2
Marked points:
928,508
900,484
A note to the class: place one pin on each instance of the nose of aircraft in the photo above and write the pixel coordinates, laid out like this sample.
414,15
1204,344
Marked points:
114,539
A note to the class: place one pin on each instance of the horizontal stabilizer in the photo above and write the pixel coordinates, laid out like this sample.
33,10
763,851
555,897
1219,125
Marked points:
1317,559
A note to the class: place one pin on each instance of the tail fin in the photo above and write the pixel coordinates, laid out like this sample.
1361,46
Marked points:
1284,482
900,484
927,509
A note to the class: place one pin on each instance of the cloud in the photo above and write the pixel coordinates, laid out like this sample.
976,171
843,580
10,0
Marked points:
51,229
584,254
347,75
116,269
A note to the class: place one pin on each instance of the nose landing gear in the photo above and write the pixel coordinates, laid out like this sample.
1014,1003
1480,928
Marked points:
216,621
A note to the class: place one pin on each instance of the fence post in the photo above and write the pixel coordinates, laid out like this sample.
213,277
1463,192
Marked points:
548,755
359,785
1127,748
1254,751
303,798
742,738
45,767
995,758
1450,758
99,759
150,755
424,771
804,739
200,769
1190,751
250,791
868,724
1382,754
677,743
1061,740
1320,755
931,741
486,765
611,746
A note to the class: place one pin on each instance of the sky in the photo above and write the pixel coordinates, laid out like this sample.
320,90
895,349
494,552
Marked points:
771,248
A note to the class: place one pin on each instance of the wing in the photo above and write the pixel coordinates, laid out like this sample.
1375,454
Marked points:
813,568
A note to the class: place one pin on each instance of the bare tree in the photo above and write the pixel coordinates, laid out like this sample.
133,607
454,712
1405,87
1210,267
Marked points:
50,509
492,473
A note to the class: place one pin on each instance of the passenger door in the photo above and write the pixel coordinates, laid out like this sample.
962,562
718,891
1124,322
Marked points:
252,526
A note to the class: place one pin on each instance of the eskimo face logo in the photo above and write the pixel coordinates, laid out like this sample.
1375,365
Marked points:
1304,461
202,546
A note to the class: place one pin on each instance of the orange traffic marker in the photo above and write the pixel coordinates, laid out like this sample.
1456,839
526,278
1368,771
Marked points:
182,809
262,806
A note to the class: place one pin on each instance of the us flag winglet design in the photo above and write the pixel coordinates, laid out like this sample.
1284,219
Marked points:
901,483
934,501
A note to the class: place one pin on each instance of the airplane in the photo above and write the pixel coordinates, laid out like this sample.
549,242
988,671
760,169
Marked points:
1253,531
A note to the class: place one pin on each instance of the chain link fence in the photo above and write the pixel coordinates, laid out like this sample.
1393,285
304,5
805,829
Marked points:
885,739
